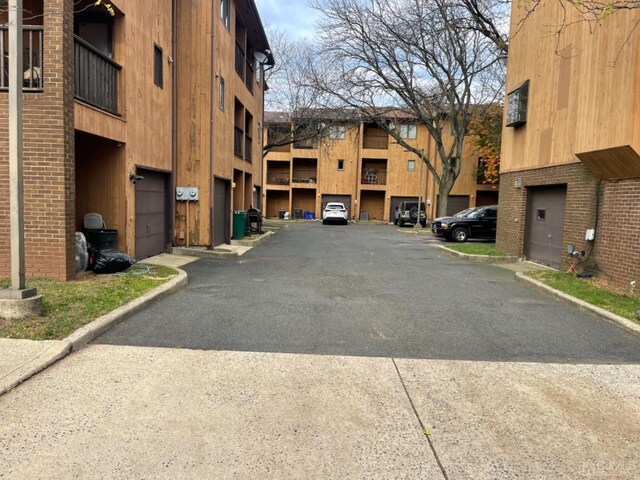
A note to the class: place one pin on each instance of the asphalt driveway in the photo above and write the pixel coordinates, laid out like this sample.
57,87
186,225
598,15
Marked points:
370,291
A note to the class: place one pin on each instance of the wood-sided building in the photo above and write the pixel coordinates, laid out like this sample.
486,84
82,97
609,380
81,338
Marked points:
570,158
121,107
361,165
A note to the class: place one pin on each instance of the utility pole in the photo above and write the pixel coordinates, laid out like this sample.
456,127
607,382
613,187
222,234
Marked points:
418,224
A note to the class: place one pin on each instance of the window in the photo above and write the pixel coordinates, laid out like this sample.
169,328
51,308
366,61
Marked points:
517,100
407,132
157,66
541,215
337,132
221,94
32,55
224,13
341,164
411,165
258,72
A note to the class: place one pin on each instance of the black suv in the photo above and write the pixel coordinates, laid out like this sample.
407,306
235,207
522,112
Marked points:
409,214
479,222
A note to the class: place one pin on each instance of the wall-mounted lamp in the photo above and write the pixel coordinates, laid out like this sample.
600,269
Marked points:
518,183
135,178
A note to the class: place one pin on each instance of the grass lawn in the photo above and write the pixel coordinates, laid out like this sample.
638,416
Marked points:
477,249
589,290
67,306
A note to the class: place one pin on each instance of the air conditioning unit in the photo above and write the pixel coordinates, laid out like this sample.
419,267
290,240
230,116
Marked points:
364,217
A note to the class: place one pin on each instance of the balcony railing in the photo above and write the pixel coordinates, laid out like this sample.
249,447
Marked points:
376,141
248,142
249,78
31,59
304,176
276,178
309,143
96,77
239,60
237,141
373,177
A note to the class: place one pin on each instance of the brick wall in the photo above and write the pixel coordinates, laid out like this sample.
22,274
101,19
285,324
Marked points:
617,248
615,257
48,157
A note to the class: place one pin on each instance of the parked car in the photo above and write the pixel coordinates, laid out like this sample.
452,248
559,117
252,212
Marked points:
479,222
409,214
335,212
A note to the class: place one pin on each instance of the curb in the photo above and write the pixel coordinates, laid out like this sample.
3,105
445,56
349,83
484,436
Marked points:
581,304
254,242
481,258
81,337
195,252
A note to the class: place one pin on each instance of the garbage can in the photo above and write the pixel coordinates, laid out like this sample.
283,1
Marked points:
239,224
297,213
281,214
103,239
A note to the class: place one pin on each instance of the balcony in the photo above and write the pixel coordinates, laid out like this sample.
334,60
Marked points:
238,134
277,178
304,176
373,176
305,144
248,142
239,60
249,77
32,58
96,77
375,138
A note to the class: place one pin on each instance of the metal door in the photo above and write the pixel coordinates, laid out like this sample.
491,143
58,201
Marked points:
346,199
151,213
221,212
457,203
545,224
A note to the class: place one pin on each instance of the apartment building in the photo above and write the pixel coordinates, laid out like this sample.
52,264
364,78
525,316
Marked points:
361,165
571,143
122,106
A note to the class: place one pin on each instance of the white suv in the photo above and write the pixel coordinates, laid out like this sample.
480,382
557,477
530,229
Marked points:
335,212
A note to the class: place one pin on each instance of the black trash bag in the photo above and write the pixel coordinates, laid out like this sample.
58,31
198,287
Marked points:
111,261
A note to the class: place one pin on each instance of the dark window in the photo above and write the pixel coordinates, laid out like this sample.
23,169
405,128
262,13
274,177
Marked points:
32,57
221,94
224,12
491,213
540,215
157,66
340,164
411,165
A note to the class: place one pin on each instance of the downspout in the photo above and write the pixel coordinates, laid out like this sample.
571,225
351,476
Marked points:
174,120
211,115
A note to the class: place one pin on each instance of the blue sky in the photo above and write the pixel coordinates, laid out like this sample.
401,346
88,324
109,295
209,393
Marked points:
293,16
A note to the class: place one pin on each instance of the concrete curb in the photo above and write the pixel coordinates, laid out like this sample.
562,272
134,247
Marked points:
253,242
201,253
480,258
581,304
81,337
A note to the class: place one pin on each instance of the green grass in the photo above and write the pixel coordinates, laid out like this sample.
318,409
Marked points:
589,290
477,249
68,306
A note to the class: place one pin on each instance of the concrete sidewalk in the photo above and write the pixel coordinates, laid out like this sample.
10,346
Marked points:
21,359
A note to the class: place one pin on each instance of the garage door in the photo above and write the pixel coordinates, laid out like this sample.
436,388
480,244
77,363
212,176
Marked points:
486,197
457,203
545,224
346,199
221,212
151,214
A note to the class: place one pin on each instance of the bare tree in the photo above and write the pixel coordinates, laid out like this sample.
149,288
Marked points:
293,105
411,55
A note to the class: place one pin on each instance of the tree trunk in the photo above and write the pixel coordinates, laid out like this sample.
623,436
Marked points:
444,187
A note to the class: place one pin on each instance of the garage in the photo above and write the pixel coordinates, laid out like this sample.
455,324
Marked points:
151,213
486,197
545,224
346,199
372,204
395,202
221,212
457,203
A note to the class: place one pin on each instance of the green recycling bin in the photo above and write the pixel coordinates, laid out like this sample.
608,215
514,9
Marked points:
239,224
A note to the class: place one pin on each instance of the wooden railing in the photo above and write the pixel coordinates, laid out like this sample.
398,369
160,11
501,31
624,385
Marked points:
249,77
239,60
309,143
375,141
238,134
96,77
373,177
31,60
276,178
304,176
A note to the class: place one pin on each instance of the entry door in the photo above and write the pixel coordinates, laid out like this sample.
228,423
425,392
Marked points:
545,224
221,209
151,214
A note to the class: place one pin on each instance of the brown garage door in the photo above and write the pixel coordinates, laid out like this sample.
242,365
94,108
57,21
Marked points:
545,224
221,209
346,199
486,197
151,214
457,203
